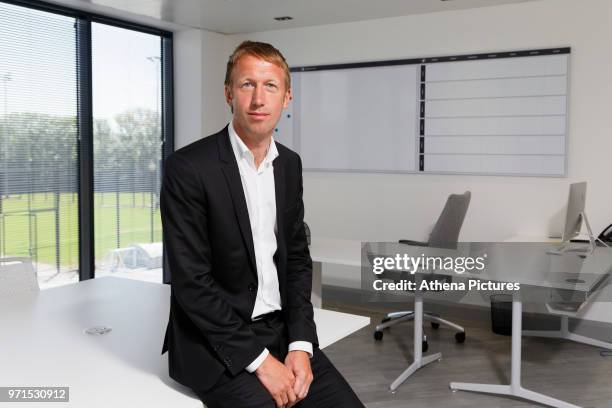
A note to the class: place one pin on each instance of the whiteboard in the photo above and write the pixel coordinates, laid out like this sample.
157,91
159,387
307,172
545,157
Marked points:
356,119
500,114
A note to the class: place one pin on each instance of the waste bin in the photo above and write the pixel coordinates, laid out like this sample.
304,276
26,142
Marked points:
501,314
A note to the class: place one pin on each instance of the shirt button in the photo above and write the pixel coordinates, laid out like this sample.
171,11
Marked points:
251,287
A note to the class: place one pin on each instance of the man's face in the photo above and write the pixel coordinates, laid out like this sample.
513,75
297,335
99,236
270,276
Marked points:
257,96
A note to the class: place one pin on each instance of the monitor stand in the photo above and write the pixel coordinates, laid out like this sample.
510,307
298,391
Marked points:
565,248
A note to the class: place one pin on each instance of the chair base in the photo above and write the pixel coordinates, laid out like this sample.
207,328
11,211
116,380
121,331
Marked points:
404,316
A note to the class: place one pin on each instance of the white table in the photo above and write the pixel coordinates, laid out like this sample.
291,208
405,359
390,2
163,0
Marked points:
42,343
332,251
563,332
348,252
515,387
539,273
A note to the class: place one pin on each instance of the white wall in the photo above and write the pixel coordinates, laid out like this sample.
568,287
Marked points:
188,91
215,112
199,64
390,206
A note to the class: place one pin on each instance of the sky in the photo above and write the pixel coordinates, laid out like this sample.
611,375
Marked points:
38,68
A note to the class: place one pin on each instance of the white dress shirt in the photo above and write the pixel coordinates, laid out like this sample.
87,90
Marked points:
258,187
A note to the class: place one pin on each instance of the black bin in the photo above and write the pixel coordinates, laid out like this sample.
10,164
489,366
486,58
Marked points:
501,314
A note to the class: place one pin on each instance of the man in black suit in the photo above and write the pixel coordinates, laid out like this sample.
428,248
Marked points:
241,331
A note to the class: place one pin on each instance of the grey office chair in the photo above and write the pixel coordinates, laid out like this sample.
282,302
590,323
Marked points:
444,235
17,276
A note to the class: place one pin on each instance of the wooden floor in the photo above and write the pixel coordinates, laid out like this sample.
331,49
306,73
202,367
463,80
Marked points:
565,370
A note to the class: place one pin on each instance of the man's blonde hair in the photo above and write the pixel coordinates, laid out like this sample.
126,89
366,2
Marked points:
260,50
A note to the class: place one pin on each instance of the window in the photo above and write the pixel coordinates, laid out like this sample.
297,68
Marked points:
85,122
38,139
127,152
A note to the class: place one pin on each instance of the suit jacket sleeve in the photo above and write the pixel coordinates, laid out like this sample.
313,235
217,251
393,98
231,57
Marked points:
300,321
184,219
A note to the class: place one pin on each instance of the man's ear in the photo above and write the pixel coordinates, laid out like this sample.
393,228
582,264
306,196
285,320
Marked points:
228,97
288,98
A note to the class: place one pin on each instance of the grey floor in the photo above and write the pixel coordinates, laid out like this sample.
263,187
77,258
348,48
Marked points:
566,370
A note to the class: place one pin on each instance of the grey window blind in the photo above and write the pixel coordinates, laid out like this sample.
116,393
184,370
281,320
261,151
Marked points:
38,140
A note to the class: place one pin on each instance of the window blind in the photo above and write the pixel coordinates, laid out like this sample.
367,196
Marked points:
38,141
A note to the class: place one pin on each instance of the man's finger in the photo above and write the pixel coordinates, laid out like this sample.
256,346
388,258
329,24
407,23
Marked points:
300,382
284,398
292,398
304,393
278,401
306,385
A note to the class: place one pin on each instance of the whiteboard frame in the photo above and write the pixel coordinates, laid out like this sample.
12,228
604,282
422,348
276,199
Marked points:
430,60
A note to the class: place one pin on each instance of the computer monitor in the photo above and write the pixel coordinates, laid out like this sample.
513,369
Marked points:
574,216
575,211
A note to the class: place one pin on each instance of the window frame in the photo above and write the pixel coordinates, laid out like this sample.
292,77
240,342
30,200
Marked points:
85,171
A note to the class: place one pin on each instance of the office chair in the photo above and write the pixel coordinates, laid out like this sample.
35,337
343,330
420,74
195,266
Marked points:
444,235
307,231
17,276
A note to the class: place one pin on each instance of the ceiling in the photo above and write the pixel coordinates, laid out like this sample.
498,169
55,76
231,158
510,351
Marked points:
245,16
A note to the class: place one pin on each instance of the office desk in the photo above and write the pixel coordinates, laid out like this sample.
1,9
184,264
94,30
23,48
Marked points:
564,331
42,343
531,238
528,264
331,251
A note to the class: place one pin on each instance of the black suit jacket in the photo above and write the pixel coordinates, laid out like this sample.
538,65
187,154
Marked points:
211,257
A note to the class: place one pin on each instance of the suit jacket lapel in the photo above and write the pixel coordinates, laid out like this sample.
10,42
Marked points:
232,177
279,190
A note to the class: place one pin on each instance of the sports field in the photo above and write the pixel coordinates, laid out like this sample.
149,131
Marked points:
29,223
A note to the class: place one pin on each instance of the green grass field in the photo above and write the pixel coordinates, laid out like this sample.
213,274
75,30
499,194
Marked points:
38,220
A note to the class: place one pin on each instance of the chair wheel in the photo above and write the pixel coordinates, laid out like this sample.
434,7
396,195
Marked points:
435,325
378,335
425,346
385,320
460,337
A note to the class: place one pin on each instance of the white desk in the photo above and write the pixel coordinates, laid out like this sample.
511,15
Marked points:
598,263
42,343
535,269
532,238
563,332
535,238
331,251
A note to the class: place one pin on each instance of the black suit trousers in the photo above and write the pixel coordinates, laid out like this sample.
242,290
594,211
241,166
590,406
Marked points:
328,389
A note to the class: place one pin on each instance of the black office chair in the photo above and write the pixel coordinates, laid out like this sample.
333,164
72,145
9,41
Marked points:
444,235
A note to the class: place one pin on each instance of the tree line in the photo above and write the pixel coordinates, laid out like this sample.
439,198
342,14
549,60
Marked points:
39,152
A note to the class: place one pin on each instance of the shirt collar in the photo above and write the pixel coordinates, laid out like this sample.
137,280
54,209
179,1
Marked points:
241,150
